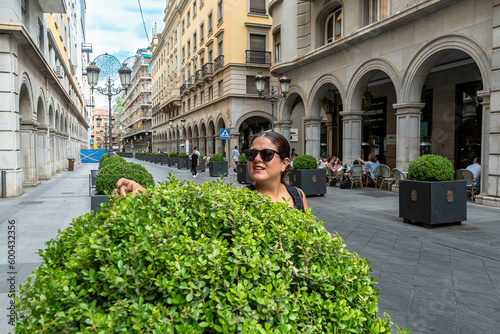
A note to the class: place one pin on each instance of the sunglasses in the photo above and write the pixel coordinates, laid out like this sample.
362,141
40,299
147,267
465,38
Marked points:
265,154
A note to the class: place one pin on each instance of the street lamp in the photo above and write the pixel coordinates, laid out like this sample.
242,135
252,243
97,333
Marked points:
176,127
111,68
274,97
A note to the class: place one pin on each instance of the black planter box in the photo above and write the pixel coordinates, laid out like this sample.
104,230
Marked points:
164,160
218,168
157,159
311,181
96,200
243,176
171,161
201,167
433,203
182,163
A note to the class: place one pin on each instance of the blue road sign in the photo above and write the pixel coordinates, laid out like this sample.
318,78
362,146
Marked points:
225,133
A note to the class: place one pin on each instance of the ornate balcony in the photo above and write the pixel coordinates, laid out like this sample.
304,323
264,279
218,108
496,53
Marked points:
258,57
218,63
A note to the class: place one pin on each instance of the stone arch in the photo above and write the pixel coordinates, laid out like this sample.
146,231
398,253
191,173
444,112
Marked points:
362,77
294,92
250,114
420,66
51,115
41,114
318,91
26,108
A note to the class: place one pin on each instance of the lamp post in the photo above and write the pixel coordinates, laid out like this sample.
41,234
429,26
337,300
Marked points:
111,68
275,96
176,127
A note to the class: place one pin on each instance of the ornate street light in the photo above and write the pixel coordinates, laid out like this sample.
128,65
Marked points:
275,96
176,127
111,69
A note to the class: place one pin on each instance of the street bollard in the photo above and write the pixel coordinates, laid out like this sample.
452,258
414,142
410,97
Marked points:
4,184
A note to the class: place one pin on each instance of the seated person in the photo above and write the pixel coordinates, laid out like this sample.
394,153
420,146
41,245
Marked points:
207,161
370,166
475,168
347,173
322,162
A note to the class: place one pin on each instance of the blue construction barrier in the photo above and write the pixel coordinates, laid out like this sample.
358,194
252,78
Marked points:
87,155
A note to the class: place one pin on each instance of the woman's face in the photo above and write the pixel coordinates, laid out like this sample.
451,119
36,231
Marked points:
261,170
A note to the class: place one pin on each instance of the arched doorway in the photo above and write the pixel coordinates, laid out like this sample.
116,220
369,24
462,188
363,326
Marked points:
250,126
28,137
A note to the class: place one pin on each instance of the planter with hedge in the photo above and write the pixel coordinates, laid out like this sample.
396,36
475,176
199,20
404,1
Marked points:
306,175
164,159
193,261
243,176
217,166
110,173
172,161
182,161
430,196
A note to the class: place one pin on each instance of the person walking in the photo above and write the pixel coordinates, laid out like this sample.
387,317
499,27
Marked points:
194,161
236,157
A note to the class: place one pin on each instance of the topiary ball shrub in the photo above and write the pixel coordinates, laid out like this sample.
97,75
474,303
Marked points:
103,157
242,159
198,258
305,161
165,154
173,155
108,176
114,159
183,155
431,168
217,157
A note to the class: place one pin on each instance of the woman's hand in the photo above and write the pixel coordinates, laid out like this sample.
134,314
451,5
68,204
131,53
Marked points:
126,186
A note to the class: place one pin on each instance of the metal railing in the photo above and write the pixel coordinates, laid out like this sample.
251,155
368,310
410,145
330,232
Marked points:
218,63
207,69
257,10
258,57
183,88
198,75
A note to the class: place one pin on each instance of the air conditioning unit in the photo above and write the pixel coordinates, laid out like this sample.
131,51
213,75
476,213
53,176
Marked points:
60,72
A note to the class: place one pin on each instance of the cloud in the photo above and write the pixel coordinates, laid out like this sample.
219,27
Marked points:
116,27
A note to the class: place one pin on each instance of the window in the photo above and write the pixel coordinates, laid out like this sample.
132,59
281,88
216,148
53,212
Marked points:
277,46
220,48
183,54
188,18
219,12
195,101
209,23
183,26
202,98
189,48
210,56
379,10
221,88
189,104
202,2
202,32
333,26
252,89
194,42
258,7
210,93
194,9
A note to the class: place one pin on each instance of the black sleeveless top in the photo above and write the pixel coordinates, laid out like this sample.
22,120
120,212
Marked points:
294,193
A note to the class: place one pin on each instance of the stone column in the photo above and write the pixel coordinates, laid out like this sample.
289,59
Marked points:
53,153
235,141
28,153
202,148
351,141
42,154
407,133
210,145
329,138
312,135
284,128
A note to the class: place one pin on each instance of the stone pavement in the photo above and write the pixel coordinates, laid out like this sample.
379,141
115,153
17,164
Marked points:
440,280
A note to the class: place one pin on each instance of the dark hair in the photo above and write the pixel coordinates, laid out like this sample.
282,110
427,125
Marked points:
372,157
282,145
478,160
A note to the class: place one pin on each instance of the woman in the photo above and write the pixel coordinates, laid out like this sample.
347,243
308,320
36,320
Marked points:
194,161
268,164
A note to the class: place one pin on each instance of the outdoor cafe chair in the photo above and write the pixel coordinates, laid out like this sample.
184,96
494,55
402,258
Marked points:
386,176
375,179
468,176
331,177
398,175
356,175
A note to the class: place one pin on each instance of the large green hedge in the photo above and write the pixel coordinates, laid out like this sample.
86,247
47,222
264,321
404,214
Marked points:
113,160
431,168
217,157
198,258
110,173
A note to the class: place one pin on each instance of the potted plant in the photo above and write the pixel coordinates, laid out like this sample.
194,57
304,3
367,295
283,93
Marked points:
217,166
430,195
164,159
306,175
172,159
243,176
182,161
110,174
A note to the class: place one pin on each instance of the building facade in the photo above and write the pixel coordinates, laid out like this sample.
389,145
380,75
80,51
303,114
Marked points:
43,115
204,64
394,78
99,137
137,104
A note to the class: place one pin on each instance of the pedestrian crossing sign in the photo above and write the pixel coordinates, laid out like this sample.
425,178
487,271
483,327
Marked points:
225,133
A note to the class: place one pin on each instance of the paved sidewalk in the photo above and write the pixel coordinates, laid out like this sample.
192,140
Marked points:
440,280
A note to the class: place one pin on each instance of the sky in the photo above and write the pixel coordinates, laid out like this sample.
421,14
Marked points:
116,27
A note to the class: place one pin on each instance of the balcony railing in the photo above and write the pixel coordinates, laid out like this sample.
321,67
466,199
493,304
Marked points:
198,76
258,57
183,87
257,11
207,69
218,63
